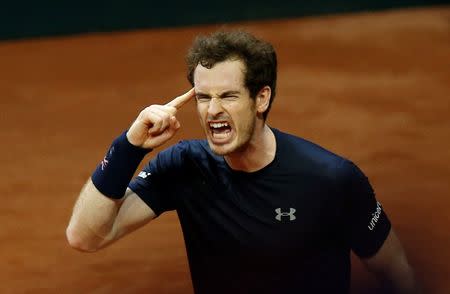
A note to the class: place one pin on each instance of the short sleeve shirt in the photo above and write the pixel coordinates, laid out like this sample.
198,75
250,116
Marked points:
287,227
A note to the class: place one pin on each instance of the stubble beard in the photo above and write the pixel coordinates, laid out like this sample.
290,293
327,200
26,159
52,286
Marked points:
239,143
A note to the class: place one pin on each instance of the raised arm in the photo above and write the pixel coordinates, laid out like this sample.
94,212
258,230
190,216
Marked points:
106,209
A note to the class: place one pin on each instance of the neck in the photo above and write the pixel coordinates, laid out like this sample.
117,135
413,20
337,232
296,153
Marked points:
257,154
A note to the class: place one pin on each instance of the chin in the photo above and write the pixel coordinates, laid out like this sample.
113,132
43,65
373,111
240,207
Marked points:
222,150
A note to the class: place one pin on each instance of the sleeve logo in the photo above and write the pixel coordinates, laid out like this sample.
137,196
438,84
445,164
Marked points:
144,174
375,217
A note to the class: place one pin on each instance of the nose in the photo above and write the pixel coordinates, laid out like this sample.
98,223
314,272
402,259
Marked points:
214,107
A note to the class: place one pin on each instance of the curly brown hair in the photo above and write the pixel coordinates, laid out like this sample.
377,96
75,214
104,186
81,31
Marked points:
258,56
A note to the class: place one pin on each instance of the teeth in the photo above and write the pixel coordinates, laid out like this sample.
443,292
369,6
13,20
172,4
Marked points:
218,125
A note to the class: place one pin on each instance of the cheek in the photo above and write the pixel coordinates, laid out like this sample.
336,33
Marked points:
201,113
246,115
200,110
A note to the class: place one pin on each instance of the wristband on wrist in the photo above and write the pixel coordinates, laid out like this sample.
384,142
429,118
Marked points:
115,171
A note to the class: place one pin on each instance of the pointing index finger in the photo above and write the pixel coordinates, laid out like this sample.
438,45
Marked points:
181,100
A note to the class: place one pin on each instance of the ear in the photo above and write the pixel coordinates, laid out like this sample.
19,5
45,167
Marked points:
263,99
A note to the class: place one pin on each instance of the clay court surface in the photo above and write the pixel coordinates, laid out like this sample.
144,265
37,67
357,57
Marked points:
374,87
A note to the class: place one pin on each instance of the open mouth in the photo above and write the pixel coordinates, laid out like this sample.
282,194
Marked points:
220,130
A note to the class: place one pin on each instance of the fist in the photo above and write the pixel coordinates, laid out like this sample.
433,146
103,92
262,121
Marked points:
157,124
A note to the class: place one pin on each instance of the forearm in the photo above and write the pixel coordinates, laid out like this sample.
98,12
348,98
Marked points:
106,210
391,267
92,223
94,215
403,283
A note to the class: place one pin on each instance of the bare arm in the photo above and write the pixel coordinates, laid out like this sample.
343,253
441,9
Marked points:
98,220
392,269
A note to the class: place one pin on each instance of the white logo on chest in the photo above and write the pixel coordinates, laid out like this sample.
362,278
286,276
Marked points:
280,214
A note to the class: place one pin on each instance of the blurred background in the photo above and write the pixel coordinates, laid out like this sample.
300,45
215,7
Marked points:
25,19
369,80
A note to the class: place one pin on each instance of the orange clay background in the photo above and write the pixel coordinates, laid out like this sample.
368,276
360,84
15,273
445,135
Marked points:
374,87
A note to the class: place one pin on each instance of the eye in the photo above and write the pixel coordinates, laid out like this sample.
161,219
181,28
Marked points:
202,98
230,97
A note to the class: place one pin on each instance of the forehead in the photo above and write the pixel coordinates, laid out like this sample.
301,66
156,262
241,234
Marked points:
223,76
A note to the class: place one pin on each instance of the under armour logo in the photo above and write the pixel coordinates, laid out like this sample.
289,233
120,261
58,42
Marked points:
280,214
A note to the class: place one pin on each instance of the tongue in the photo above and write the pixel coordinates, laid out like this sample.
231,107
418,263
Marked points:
221,133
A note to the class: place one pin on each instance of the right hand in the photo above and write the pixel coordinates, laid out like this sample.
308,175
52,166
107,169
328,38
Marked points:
157,124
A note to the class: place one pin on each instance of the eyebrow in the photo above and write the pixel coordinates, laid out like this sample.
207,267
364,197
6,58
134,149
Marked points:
224,94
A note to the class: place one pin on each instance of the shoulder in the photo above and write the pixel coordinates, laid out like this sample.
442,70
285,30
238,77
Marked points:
313,159
307,155
183,148
183,151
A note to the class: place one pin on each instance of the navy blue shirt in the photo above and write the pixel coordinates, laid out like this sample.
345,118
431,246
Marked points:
287,228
